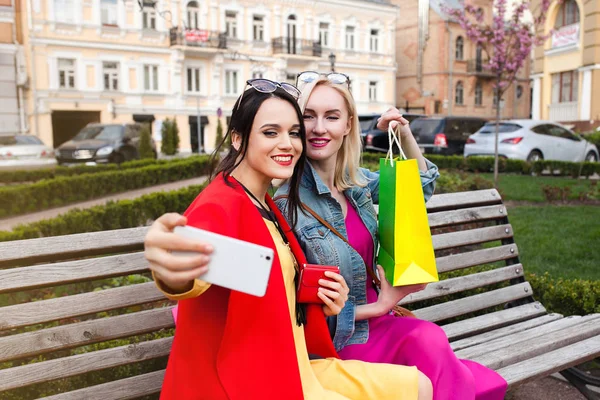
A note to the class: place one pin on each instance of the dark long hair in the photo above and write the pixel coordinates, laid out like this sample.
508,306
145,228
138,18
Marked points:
242,118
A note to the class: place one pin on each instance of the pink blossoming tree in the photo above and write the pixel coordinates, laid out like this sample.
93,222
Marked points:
507,42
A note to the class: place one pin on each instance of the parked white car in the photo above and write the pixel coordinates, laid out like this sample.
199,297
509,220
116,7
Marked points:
24,151
531,140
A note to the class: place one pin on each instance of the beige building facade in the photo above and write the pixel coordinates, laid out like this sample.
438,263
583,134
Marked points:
12,72
123,60
440,70
566,72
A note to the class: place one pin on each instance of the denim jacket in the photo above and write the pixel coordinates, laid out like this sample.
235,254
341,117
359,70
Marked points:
322,246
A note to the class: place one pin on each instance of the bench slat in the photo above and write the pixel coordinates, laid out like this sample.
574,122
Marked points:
519,337
472,236
477,257
68,246
495,320
123,389
84,333
551,362
508,330
76,305
24,278
479,214
539,345
82,363
456,285
463,199
477,302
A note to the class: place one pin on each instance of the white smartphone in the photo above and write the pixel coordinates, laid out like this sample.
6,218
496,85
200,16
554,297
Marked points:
234,264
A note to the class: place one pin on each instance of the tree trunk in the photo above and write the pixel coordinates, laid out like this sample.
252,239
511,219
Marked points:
496,137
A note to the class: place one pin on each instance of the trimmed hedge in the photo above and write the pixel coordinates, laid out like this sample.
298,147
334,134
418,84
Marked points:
21,199
34,175
113,215
486,164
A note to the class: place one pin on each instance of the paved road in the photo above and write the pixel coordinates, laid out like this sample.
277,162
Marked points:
8,224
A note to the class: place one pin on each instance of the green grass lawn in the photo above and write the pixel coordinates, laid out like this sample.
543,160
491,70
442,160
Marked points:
529,188
561,240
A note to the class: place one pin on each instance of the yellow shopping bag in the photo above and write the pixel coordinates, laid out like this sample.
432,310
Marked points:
406,249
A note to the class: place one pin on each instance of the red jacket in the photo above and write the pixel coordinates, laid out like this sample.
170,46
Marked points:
230,345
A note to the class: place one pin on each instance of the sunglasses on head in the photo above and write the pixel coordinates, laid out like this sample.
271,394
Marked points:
334,77
268,86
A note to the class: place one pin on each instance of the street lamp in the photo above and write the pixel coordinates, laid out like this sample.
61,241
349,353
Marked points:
332,61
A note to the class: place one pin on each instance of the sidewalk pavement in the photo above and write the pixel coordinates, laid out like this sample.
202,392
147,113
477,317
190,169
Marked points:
8,224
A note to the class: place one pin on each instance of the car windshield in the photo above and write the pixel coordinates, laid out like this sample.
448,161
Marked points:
19,140
422,126
103,132
365,123
490,127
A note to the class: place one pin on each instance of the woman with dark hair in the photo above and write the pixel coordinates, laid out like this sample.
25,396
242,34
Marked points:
230,345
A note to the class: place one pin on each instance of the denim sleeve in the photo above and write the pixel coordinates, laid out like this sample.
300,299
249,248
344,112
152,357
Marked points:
428,179
341,326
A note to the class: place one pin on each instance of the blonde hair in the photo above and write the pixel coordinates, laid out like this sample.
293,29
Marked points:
347,172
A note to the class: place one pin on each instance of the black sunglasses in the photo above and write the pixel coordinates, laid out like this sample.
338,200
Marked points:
268,86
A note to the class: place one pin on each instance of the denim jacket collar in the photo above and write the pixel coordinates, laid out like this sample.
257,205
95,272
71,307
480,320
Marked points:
312,180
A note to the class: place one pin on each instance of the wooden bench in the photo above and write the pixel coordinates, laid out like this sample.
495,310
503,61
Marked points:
72,338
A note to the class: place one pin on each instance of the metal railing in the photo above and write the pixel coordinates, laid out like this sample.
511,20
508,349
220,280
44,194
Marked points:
478,67
564,112
302,47
198,38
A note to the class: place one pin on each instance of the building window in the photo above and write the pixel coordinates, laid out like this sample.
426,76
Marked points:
108,12
231,24
459,97
66,73
519,91
324,34
193,79
231,83
349,38
374,41
149,16
565,87
460,48
568,14
111,75
291,78
372,91
151,78
258,28
257,75
478,94
193,14
64,11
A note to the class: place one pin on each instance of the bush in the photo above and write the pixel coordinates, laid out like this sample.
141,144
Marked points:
113,215
566,296
450,182
170,137
219,137
15,200
593,137
146,150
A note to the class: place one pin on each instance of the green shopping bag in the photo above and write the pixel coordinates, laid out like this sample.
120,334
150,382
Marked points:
406,249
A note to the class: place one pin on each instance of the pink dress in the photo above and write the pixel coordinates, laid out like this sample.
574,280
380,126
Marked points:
414,342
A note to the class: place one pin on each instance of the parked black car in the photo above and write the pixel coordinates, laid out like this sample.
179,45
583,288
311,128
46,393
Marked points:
444,135
102,143
374,139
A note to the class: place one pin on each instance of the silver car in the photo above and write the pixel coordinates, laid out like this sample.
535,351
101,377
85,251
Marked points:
24,151
531,141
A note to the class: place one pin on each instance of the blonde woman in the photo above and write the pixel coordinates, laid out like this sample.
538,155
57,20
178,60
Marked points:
342,194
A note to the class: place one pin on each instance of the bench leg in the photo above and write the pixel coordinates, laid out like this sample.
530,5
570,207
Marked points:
580,380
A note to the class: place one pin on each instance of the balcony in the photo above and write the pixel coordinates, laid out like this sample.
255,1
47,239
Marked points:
301,47
564,112
477,67
200,38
